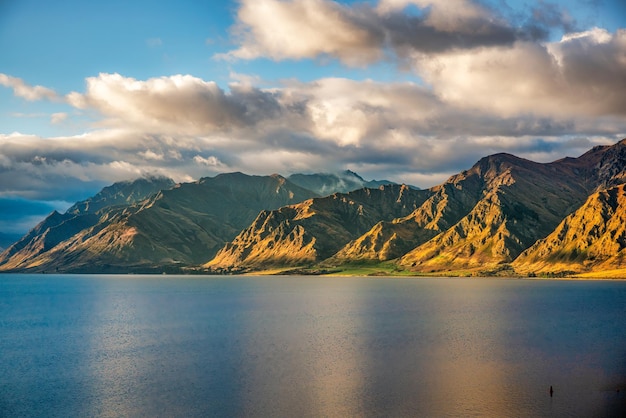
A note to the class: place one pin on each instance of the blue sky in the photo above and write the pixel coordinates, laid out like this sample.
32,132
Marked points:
409,90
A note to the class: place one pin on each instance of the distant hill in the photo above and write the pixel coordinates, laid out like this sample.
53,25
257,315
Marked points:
33,250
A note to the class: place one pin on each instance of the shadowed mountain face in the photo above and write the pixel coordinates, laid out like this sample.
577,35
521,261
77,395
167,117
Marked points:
57,228
182,225
567,215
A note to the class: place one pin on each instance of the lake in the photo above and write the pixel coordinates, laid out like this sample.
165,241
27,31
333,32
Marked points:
183,346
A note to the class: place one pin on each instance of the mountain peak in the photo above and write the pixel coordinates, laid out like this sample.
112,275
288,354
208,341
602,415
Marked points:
351,173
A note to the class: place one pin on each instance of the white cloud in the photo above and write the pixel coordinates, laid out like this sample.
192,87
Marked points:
26,91
360,34
151,155
178,104
59,117
304,28
581,76
210,161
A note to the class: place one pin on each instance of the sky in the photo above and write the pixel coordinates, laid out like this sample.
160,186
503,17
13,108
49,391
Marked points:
411,91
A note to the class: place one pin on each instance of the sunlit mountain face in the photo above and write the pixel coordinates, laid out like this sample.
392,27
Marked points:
505,215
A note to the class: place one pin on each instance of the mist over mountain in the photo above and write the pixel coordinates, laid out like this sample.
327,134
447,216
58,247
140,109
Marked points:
503,214
329,183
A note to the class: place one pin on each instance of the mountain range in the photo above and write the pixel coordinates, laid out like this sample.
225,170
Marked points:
503,216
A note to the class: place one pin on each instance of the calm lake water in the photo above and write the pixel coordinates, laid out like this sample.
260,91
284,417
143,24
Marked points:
180,346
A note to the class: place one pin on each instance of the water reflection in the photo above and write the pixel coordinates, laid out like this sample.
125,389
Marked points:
302,353
293,346
467,346
165,347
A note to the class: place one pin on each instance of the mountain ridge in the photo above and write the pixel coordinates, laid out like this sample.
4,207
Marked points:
505,213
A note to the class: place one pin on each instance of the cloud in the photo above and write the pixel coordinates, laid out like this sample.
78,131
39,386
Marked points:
304,29
180,103
583,75
539,100
361,34
210,161
25,91
400,131
57,118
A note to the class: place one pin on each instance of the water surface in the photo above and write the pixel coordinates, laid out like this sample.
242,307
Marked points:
310,346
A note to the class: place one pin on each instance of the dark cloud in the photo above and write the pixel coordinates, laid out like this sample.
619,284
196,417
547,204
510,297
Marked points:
407,34
361,34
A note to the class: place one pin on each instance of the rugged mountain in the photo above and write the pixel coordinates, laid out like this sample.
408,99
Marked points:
521,202
480,219
504,212
315,229
592,238
58,227
326,184
446,204
182,225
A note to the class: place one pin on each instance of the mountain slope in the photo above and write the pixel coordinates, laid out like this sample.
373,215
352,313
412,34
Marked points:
57,227
484,217
592,238
182,225
315,229
446,204
504,211
522,201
